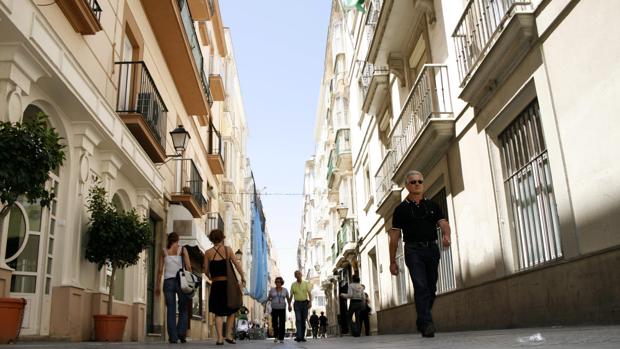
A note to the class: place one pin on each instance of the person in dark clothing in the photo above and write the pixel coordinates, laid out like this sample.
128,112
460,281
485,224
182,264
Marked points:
416,219
322,325
214,266
314,324
365,314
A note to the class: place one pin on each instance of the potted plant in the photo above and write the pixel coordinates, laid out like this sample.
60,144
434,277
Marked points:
115,239
28,152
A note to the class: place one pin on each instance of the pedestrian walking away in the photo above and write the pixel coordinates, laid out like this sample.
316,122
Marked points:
303,301
356,295
170,262
322,325
314,324
416,220
279,297
215,267
366,309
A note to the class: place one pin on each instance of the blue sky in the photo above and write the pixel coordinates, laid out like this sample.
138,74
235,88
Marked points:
280,48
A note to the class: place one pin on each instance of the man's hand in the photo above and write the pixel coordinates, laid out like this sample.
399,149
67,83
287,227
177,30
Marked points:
445,240
309,304
394,268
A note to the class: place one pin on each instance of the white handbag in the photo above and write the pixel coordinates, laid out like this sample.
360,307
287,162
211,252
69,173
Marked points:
188,281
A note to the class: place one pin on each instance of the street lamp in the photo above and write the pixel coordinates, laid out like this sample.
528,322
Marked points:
239,254
180,137
317,267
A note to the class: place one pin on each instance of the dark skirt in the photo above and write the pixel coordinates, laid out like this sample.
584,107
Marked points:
218,300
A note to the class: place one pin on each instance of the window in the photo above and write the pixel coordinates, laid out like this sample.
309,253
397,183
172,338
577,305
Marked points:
527,179
367,188
197,302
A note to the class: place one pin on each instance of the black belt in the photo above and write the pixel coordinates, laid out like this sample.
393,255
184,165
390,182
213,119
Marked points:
421,243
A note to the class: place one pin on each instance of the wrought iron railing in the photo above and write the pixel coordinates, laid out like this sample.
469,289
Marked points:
383,177
194,43
367,72
94,7
189,181
372,18
213,221
215,142
138,94
429,99
476,30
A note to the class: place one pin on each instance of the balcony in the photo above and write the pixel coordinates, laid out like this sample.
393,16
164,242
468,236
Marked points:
216,71
200,9
84,15
229,193
422,133
388,195
390,23
215,153
331,169
343,149
141,108
491,38
174,30
213,221
188,187
375,89
346,243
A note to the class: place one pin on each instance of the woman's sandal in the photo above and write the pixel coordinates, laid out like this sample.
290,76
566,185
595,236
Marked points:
219,343
230,341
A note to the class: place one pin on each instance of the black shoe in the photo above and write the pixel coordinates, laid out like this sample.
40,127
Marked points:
429,331
302,340
183,340
230,341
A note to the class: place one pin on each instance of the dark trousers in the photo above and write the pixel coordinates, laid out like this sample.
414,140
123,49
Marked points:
355,307
278,321
365,322
315,330
301,316
172,292
422,263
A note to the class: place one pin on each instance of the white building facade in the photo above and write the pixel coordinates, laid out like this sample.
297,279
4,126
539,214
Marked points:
491,101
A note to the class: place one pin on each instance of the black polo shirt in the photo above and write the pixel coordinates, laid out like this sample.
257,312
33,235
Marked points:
418,222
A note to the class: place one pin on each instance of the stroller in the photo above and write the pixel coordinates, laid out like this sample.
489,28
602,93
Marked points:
242,329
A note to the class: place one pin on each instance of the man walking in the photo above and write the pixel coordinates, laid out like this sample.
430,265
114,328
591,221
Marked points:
314,324
303,301
322,325
416,220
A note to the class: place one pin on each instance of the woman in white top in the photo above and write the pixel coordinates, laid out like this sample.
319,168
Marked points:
169,264
279,297
356,294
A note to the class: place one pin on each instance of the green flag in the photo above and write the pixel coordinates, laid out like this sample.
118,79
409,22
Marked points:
350,4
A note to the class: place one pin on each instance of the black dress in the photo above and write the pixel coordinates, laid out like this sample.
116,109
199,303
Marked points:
218,300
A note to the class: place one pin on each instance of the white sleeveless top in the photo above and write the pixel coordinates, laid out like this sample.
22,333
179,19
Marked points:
172,263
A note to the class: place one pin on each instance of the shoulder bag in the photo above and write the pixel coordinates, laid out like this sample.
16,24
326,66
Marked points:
187,280
234,297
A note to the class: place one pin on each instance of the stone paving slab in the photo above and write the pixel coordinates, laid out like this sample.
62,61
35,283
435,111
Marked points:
554,337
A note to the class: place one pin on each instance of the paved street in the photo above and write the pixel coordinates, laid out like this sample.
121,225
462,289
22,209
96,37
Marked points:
557,337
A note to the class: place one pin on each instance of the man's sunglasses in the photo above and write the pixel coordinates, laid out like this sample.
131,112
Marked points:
420,181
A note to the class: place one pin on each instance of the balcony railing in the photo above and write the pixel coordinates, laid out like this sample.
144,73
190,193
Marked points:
213,221
215,151
188,182
372,18
346,234
138,94
94,7
194,43
477,29
383,177
367,72
429,98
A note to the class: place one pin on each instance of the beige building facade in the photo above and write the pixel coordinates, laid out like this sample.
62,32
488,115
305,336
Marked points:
115,78
495,102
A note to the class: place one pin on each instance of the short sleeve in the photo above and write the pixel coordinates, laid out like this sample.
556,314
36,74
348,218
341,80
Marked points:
439,214
397,218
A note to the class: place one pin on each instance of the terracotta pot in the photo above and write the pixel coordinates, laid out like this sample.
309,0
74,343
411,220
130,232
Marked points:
12,310
109,328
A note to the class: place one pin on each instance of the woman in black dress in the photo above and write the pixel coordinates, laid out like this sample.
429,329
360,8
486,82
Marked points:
214,267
